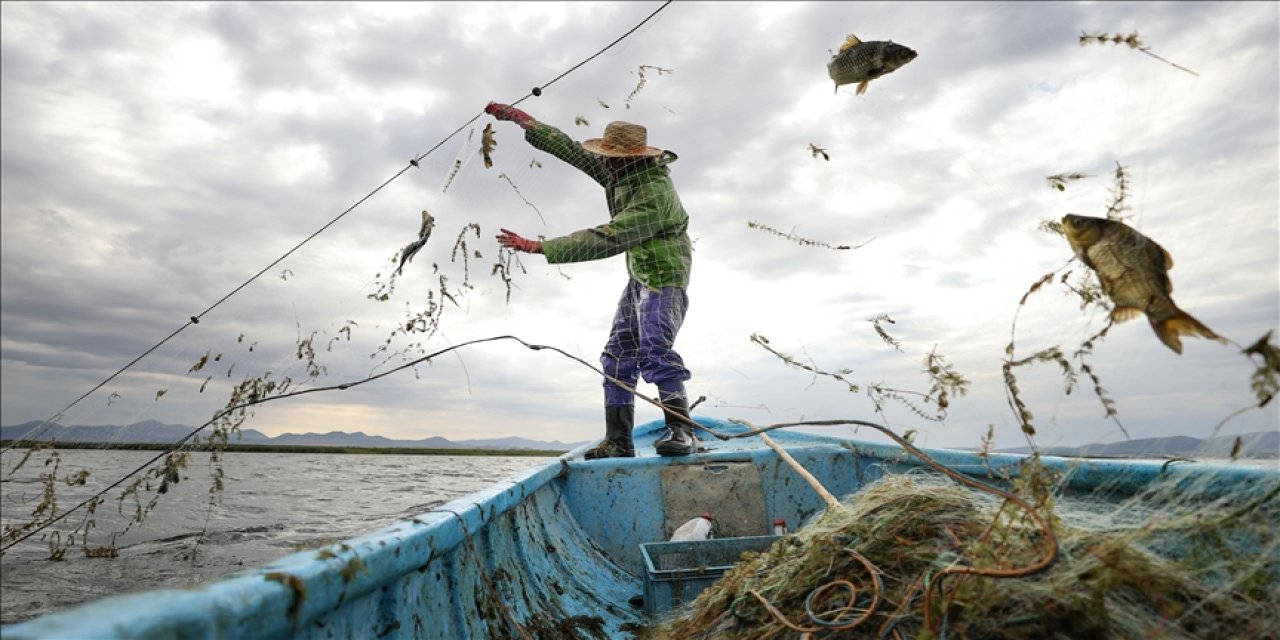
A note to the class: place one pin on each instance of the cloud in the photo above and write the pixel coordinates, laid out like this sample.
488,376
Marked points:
156,157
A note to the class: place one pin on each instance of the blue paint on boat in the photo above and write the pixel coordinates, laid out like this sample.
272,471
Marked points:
556,549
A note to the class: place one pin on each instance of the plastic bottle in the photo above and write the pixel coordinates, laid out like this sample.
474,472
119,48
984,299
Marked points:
698,528
779,527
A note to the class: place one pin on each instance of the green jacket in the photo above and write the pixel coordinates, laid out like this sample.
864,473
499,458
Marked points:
646,219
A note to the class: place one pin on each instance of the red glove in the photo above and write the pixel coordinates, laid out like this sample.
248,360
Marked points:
510,240
512,114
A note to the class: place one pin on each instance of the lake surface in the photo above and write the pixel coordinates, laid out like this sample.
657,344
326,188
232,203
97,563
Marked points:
273,504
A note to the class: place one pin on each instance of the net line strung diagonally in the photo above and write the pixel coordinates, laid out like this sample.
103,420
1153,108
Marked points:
342,387
905,601
413,163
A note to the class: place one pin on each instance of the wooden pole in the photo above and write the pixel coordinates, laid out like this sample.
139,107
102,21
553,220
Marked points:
831,500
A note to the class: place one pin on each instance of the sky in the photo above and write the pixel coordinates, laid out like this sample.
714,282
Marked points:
156,156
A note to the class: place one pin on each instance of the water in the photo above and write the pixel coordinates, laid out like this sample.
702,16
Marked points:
272,505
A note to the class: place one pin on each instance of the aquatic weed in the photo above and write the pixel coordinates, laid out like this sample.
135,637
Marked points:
1133,40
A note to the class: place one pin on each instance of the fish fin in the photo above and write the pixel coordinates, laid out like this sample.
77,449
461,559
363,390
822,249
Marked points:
1170,329
1124,314
850,42
1168,258
862,86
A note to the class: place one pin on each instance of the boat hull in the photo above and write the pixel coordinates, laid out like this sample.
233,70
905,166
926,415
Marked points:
555,552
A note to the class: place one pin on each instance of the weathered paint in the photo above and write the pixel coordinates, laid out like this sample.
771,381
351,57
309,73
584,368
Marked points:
559,545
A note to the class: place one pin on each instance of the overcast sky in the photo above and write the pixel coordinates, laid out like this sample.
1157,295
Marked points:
158,155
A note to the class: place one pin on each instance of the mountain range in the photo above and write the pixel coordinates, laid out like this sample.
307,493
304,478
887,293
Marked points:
1261,444
1256,445
152,431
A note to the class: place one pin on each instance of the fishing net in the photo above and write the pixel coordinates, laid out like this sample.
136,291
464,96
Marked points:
424,309
1165,564
426,287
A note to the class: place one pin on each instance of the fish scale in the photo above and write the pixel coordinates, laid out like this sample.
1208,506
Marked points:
861,62
1134,272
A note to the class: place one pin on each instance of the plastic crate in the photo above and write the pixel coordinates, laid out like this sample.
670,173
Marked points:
676,572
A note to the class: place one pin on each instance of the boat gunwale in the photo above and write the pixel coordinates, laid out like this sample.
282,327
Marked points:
245,603
263,601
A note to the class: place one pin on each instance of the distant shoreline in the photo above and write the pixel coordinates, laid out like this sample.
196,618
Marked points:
289,448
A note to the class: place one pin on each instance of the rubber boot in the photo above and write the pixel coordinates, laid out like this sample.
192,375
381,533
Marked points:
678,439
618,422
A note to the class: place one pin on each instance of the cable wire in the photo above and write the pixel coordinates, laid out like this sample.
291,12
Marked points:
31,435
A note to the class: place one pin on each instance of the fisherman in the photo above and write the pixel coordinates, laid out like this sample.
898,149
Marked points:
648,223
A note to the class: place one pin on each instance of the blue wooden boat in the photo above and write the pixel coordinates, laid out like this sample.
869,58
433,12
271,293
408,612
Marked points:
557,551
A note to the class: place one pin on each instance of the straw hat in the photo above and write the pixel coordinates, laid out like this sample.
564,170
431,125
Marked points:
622,140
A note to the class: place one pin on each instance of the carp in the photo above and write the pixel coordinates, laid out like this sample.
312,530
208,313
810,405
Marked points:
1134,273
862,62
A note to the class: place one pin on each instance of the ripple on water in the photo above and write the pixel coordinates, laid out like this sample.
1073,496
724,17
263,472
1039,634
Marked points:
273,505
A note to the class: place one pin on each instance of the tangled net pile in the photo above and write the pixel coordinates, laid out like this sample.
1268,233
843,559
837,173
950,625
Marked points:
865,570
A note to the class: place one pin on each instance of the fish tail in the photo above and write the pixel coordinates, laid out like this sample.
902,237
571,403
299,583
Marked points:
1170,329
